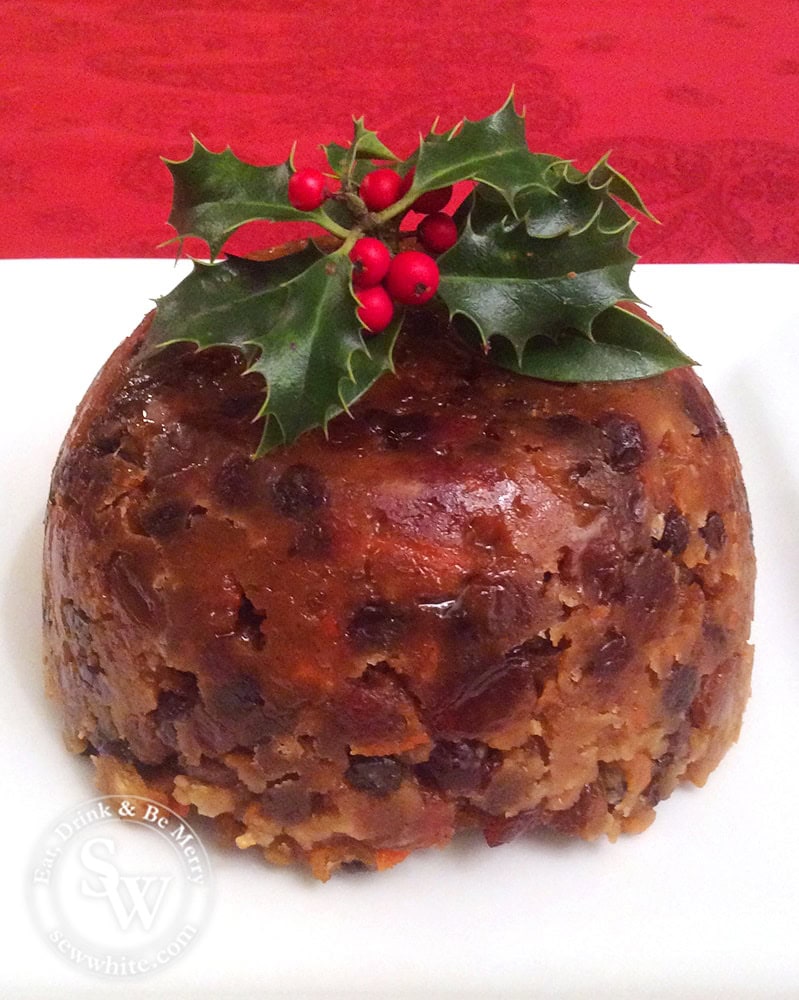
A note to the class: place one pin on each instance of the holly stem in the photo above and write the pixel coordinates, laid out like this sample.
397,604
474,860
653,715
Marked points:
351,238
397,208
329,224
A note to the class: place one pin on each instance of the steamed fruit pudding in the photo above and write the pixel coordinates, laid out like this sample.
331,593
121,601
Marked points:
390,534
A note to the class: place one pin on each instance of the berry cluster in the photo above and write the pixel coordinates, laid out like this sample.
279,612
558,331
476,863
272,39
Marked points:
380,280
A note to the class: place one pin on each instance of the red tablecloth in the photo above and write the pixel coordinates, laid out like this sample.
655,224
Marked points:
698,100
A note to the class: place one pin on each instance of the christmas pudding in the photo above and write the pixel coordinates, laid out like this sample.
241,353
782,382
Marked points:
397,532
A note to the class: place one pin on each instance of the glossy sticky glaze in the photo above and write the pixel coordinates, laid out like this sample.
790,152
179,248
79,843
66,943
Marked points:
486,600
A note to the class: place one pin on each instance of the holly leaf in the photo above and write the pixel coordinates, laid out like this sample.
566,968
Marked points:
492,151
226,302
295,319
307,355
365,145
625,346
337,156
512,285
215,193
602,176
579,199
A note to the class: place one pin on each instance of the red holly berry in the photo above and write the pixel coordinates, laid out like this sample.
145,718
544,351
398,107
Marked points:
432,201
307,189
437,232
380,188
412,278
376,308
370,262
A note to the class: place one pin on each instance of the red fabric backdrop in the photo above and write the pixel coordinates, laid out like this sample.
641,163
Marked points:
699,100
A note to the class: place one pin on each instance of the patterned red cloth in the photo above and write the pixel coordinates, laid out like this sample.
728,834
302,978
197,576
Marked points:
699,100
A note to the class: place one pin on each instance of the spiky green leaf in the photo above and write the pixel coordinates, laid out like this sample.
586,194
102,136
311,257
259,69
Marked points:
337,156
215,193
512,285
307,354
295,318
492,151
625,346
577,199
365,145
229,302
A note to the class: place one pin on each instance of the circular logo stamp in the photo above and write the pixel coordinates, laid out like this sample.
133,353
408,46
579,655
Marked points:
120,886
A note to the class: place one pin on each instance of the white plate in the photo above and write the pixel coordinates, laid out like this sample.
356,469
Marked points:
705,903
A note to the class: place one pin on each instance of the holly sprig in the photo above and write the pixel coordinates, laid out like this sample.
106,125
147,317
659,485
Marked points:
533,266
